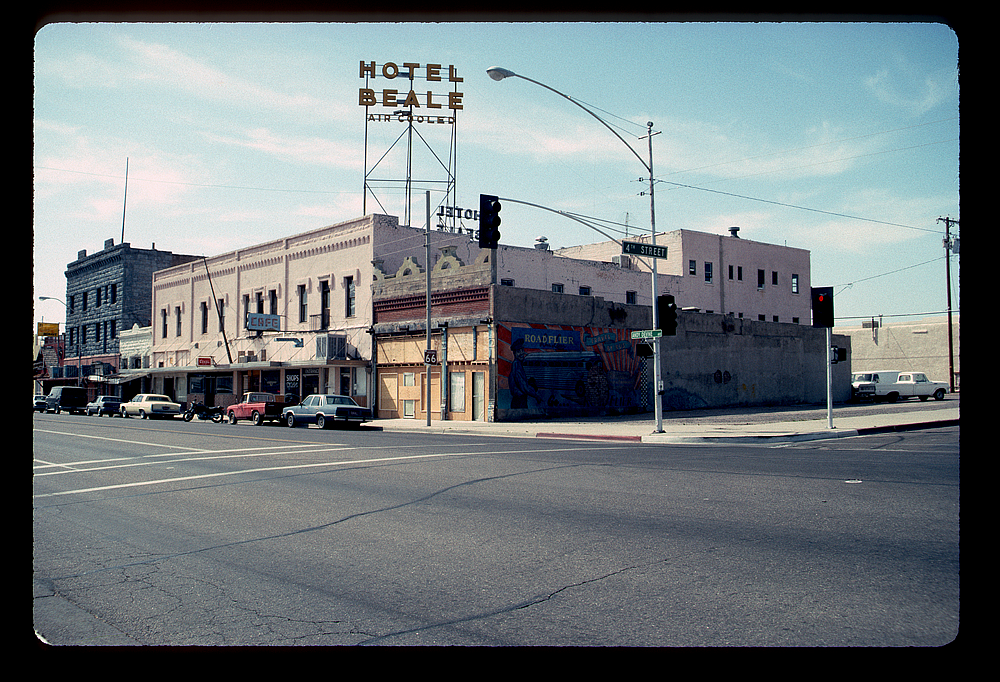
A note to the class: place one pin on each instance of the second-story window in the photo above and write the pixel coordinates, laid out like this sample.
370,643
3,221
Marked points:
303,304
349,307
204,317
324,305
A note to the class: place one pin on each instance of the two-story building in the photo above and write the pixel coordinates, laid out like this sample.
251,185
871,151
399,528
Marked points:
307,313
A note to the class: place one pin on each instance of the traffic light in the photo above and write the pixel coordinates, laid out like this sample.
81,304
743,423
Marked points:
822,306
489,221
666,313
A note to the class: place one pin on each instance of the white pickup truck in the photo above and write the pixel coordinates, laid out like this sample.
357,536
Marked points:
895,385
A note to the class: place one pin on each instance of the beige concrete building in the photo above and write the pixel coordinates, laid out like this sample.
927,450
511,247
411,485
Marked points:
914,346
299,315
722,274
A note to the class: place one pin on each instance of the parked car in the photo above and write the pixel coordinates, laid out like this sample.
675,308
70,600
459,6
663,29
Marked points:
149,405
73,399
323,410
257,407
105,404
39,401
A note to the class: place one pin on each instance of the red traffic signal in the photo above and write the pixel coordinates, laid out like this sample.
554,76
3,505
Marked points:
822,306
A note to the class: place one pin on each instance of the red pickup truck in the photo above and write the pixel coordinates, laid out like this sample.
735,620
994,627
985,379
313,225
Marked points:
257,407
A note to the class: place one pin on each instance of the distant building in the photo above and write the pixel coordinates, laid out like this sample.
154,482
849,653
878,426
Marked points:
920,346
106,293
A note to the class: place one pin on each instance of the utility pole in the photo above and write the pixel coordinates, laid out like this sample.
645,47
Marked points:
947,273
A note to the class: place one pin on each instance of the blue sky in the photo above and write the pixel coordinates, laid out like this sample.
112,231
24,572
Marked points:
839,138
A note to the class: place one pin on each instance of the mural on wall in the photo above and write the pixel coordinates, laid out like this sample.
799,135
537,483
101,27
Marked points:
558,370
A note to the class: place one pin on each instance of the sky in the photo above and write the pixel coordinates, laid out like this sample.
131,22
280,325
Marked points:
841,138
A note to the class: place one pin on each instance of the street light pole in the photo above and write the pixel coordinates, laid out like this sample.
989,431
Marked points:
498,74
79,340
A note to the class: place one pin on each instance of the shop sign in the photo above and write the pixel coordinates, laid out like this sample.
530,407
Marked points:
259,322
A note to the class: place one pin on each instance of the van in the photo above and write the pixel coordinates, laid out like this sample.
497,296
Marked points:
70,398
872,385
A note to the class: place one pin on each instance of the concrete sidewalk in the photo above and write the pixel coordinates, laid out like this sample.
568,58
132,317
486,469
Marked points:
708,426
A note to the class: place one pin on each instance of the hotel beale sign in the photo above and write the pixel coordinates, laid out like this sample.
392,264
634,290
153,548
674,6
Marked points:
422,106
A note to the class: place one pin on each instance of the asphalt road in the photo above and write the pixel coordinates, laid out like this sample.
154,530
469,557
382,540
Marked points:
166,533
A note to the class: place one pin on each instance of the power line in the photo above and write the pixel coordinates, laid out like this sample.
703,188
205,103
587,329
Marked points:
801,208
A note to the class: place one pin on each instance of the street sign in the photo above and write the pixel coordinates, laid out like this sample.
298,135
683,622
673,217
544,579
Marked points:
638,249
430,357
647,334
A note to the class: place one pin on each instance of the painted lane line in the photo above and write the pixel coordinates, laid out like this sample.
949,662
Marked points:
207,456
289,467
292,467
46,465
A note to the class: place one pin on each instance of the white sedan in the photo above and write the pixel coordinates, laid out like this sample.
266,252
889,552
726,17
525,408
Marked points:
149,405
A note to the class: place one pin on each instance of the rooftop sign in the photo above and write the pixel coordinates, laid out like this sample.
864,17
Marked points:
411,100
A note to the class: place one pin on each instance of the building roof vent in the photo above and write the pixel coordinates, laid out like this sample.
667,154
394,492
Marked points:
542,244
734,231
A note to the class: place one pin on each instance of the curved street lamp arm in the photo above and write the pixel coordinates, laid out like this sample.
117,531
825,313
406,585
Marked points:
602,121
573,217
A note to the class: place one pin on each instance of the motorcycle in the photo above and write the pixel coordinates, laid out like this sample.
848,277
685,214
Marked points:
202,412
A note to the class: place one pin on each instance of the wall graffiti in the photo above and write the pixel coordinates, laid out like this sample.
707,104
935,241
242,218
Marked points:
557,370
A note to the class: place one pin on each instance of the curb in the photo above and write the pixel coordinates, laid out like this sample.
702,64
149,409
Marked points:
586,436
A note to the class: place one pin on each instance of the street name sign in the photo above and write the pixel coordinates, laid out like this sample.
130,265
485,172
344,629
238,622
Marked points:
638,249
647,334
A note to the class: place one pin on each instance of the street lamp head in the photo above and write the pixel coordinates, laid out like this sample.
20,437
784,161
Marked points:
498,74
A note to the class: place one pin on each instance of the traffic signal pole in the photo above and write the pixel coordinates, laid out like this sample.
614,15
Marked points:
829,378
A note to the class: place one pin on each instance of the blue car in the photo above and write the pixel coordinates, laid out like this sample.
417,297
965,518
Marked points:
324,410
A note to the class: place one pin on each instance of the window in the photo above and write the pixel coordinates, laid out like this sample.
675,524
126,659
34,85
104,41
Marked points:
409,379
774,279
97,331
72,303
303,306
456,391
730,273
506,282
204,317
163,322
114,293
692,267
260,302
273,298
739,273
177,314
708,272
246,308
760,279
114,329
761,318
324,305
349,294
221,303
97,298
557,288
85,301
630,298
795,283
585,291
